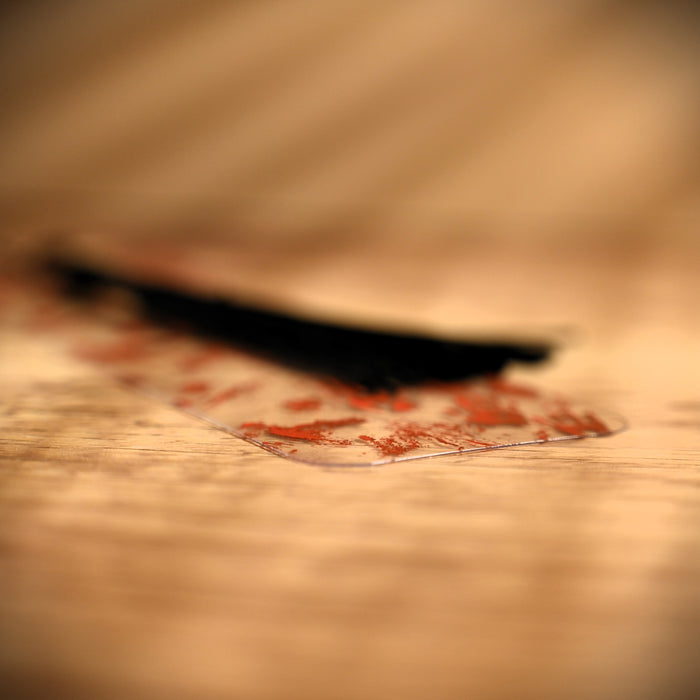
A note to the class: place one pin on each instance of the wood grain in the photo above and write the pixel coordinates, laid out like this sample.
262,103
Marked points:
147,555
391,163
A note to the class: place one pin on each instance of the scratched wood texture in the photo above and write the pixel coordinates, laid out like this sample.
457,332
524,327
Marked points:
146,555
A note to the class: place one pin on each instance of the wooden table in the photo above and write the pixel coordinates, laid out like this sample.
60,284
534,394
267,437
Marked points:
453,165
145,554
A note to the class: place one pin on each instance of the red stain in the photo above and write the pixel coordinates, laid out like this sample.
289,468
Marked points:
447,434
568,423
401,403
410,436
253,427
366,401
133,380
302,404
363,400
502,386
486,411
46,316
200,358
318,431
131,346
392,446
439,432
194,387
483,405
232,392
497,416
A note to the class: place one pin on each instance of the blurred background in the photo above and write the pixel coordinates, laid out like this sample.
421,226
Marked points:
322,116
360,156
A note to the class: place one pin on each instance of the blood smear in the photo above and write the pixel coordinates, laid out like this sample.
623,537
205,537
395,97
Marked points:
303,404
308,418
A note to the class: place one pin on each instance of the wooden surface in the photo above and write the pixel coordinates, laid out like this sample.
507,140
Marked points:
444,165
147,555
